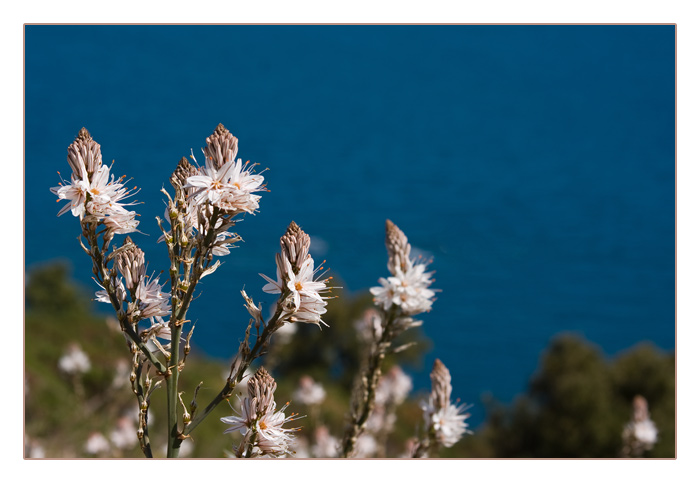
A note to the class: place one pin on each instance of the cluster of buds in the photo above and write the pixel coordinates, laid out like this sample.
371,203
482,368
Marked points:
209,198
301,289
93,193
260,422
147,299
407,288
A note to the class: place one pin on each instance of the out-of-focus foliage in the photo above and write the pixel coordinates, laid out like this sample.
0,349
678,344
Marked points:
576,406
578,403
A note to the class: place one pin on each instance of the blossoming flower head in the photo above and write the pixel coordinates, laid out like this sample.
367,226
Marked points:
640,434
152,300
259,419
91,189
223,181
297,279
407,288
446,421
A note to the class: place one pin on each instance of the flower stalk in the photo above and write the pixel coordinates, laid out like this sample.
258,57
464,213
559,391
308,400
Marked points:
401,296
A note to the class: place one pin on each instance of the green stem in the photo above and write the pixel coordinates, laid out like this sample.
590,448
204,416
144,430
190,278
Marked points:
171,382
230,385
179,313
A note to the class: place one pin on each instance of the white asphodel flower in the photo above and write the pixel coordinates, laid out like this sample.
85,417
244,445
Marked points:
75,192
99,196
309,391
259,418
640,434
304,301
450,424
97,444
74,361
123,436
446,421
103,296
408,290
120,223
152,300
229,186
394,387
326,445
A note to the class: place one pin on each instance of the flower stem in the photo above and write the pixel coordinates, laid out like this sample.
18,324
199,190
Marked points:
363,396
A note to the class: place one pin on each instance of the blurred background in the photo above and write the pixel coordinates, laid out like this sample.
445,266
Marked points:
535,165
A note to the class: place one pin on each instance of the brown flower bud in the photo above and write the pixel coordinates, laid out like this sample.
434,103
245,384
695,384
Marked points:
84,151
295,246
131,264
183,171
398,248
222,146
441,385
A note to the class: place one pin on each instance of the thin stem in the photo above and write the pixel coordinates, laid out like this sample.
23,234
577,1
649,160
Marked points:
234,379
144,439
179,313
364,395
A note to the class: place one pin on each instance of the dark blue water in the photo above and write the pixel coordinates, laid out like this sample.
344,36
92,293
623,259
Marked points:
535,164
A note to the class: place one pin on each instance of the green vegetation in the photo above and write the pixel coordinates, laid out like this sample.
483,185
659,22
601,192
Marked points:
576,405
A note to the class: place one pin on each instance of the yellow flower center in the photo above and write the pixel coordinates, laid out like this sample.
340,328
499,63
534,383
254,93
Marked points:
298,286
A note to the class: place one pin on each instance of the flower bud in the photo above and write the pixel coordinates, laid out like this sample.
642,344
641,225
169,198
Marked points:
84,153
222,146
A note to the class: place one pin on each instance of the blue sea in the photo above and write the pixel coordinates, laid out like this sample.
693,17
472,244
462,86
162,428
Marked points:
534,164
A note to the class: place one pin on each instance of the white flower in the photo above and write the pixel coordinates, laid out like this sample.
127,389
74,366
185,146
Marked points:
75,192
645,432
640,434
121,374
103,296
259,418
326,445
369,328
309,392
160,328
124,435
96,444
297,281
408,290
449,424
393,387
99,196
152,300
380,420
74,361
229,186
365,447
223,242
120,223
444,420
